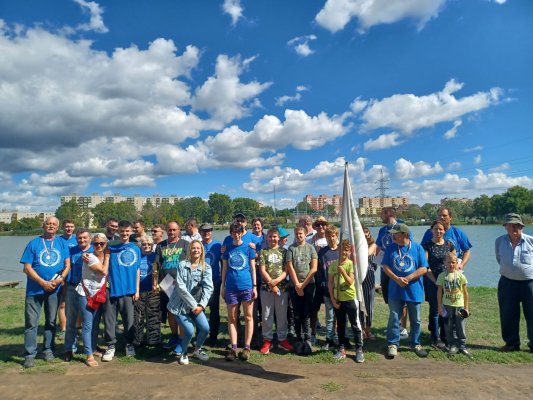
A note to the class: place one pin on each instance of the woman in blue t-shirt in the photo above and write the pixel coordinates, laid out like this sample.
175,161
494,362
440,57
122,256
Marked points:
239,285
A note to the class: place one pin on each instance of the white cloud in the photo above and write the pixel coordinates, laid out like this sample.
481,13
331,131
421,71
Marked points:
223,96
494,181
300,45
475,148
451,133
383,142
408,112
234,9
280,101
336,14
500,1
133,181
477,159
501,167
454,165
96,23
407,170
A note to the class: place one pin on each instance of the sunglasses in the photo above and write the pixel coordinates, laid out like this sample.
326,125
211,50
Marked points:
99,243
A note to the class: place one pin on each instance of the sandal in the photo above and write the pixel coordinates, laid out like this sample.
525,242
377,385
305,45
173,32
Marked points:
91,362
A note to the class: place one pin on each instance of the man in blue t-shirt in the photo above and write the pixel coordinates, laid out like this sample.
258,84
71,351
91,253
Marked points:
212,250
124,280
46,263
69,237
454,235
405,264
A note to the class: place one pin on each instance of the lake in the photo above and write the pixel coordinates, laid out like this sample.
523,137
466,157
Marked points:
482,270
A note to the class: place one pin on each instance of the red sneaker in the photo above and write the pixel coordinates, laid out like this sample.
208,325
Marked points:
285,344
265,348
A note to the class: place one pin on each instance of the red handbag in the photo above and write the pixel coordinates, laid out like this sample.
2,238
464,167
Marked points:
99,298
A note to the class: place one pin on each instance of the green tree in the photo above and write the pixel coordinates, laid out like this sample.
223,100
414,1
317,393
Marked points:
430,211
121,211
71,210
150,214
482,207
248,207
194,207
517,199
220,208
26,224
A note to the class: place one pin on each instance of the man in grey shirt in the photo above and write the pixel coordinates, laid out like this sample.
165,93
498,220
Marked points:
514,253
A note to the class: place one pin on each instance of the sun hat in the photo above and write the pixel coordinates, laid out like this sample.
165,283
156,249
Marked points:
513,218
320,221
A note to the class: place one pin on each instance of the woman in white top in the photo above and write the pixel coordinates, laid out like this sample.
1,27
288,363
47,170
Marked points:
93,277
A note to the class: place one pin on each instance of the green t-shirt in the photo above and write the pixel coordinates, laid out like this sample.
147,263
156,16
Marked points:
274,263
301,257
341,290
452,288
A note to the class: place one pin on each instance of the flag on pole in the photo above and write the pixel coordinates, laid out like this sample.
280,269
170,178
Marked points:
352,230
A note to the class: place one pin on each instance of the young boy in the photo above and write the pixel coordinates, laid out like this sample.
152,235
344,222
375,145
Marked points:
274,295
342,294
124,280
452,297
302,266
239,285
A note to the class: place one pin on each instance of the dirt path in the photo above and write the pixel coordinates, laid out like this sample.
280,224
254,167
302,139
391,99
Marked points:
274,379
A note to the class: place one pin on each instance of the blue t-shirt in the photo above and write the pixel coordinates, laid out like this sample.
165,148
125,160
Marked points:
403,261
238,276
385,239
146,267
454,235
47,258
76,263
212,257
71,242
124,263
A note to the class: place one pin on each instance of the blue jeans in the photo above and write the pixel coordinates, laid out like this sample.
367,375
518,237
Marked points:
187,323
77,304
393,327
330,316
32,313
431,295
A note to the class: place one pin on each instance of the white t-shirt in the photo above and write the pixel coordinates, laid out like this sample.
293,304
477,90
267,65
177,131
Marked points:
92,280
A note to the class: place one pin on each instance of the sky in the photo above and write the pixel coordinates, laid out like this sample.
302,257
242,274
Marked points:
252,97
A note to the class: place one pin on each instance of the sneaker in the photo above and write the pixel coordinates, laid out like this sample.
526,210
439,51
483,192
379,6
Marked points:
403,333
48,356
200,354
230,355
419,351
286,345
29,362
177,350
245,354
453,350
130,350
508,348
466,353
325,346
438,345
184,360
109,354
69,355
359,356
392,351
265,348
340,355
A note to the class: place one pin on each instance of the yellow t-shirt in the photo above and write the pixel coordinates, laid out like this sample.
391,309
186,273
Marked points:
341,290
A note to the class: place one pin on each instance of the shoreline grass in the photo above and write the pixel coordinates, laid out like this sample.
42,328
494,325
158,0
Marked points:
483,338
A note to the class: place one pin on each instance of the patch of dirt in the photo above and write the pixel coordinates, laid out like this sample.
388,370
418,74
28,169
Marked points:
276,378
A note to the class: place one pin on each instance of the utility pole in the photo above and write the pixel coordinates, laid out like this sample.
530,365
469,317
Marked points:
382,188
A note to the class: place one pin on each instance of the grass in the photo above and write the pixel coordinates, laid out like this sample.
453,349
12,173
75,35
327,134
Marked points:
483,338
331,387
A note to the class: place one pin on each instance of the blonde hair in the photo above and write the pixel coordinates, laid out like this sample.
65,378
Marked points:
202,256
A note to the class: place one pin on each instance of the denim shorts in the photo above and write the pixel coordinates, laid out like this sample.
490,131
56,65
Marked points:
237,296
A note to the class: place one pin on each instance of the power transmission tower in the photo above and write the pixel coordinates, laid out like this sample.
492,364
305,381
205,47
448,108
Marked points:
382,188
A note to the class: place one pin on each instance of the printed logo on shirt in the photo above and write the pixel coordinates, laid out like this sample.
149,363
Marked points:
386,241
209,258
237,261
50,257
404,264
274,258
127,258
171,257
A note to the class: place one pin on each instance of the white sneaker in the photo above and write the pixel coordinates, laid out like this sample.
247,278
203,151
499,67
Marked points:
403,333
392,351
130,350
109,354
184,360
201,355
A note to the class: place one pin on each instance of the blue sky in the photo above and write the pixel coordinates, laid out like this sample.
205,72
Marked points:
192,97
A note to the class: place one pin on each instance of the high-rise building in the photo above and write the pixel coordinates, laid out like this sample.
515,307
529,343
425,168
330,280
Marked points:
91,201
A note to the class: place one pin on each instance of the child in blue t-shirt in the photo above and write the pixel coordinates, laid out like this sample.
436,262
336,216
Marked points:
239,285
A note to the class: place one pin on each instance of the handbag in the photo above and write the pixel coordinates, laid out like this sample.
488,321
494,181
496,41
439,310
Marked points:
99,298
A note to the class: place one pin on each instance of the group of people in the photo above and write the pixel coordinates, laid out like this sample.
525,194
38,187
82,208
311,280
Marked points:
151,281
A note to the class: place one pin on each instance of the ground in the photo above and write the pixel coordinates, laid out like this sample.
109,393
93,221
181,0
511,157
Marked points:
274,377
